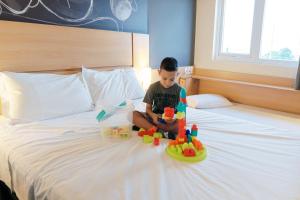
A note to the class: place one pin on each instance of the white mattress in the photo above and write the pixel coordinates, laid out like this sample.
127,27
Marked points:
269,117
67,158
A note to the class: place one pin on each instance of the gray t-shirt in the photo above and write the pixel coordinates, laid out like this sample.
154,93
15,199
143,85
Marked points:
160,97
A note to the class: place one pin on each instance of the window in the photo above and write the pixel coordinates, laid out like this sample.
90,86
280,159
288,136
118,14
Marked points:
261,31
236,32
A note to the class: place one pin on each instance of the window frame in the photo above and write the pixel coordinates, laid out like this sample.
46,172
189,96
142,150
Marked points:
256,37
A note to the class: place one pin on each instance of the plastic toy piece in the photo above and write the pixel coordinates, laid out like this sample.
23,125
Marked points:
189,138
198,145
172,152
147,139
194,130
188,132
180,115
168,113
107,112
157,135
181,107
173,143
149,132
183,100
141,132
118,131
186,147
182,93
189,152
156,141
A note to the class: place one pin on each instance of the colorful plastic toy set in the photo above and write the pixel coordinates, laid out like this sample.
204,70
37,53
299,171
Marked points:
186,147
149,132
117,131
150,136
119,126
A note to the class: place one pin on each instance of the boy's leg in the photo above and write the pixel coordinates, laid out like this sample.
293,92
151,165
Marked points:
140,120
170,129
173,130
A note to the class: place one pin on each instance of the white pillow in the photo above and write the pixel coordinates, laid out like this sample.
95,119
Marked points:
112,87
34,97
3,97
207,101
106,87
133,89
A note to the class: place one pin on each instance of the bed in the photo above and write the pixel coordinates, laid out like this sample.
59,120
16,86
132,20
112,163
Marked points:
269,117
252,153
67,158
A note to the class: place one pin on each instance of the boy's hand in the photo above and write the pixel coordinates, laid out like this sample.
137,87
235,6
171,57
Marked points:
170,121
155,118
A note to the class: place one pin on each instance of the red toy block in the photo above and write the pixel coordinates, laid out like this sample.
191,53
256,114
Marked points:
194,127
156,141
183,100
142,133
169,112
181,123
189,152
151,131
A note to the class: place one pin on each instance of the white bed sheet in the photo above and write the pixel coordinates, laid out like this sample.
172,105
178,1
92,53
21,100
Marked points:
66,158
269,117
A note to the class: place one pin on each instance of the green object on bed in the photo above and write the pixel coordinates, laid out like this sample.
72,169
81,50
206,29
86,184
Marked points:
107,112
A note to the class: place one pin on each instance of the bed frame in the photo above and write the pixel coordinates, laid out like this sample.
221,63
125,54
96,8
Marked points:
27,47
274,93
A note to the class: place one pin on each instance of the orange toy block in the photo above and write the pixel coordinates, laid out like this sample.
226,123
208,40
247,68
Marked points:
198,145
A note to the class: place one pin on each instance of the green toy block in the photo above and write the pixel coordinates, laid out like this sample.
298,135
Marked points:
157,135
191,145
179,149
184,146
147,139
180,115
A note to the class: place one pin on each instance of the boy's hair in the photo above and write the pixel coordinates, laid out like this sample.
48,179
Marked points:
169,64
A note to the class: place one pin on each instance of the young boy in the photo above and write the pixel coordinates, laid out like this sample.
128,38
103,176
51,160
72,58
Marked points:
161,94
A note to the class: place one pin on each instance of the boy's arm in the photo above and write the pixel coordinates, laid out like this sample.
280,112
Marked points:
153,115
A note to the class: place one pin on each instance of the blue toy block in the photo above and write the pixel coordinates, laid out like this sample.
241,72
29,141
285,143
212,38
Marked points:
182,93
181,107
194,133
188,132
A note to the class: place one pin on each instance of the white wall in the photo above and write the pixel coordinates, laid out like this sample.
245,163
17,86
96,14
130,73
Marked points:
204,48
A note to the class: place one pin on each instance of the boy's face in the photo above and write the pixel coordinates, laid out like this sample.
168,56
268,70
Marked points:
167,79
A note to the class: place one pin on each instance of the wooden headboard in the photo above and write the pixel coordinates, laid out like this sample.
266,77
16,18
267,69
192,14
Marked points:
27,47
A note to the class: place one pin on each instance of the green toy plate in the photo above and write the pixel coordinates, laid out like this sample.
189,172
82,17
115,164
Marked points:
200,155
